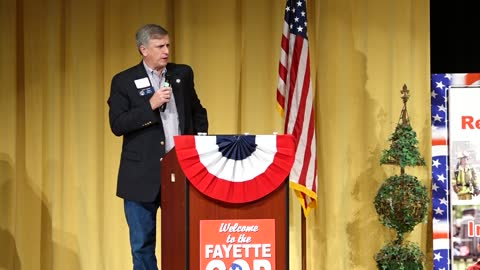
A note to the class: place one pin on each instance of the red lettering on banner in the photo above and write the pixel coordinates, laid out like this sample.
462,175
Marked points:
473,229
468,122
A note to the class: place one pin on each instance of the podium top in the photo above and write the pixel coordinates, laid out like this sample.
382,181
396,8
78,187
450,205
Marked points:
235,168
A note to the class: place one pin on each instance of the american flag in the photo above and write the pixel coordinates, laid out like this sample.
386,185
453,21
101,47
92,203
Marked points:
441,203
295,99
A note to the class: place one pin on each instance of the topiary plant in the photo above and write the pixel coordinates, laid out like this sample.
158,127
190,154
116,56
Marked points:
403,151
407,256
400,203
402,200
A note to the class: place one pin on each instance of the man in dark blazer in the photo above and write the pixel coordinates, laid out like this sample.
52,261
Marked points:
148,105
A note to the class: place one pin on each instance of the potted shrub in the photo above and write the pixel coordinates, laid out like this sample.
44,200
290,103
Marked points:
402,200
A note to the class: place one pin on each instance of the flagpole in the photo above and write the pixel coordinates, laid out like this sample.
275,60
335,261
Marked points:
304,240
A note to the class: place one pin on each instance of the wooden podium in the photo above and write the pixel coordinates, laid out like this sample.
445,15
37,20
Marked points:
183,207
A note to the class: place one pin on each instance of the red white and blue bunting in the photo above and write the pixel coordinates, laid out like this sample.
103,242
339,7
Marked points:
236,169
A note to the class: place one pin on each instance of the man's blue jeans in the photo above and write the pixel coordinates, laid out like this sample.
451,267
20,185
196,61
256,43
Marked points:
142,223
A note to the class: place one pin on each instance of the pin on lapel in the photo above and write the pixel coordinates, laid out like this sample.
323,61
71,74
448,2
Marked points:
177,81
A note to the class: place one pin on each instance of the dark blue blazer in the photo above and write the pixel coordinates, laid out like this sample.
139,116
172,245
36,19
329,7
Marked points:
143,145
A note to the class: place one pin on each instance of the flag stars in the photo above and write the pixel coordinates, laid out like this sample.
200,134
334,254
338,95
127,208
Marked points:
437,256
441,178
299,29
299,3
442,108
440,85
443,201
287,8
434,187
296,19
438,211
437,118
303,13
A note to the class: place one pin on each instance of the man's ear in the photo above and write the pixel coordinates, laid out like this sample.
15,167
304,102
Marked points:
142,50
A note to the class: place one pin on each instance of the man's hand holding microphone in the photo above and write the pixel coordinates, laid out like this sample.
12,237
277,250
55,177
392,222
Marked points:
161,97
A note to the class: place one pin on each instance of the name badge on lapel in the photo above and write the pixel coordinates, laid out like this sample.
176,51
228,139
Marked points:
142,83
143,86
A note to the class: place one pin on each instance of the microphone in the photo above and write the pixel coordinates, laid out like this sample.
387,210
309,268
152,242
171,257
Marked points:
166,83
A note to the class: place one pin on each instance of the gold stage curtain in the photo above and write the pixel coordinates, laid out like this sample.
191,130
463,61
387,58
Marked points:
59,159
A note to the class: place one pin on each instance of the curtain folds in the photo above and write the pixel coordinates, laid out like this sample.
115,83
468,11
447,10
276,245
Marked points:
59,159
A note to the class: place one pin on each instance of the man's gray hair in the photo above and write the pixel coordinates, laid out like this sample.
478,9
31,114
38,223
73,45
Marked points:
149,31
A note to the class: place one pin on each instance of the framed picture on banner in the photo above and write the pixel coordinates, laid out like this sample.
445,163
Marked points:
455,111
